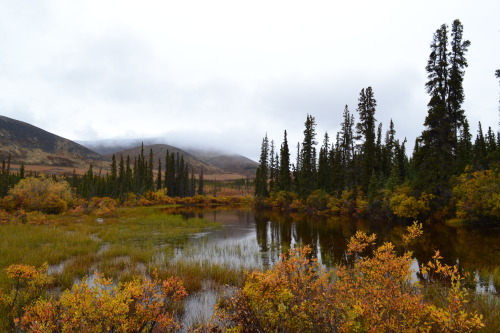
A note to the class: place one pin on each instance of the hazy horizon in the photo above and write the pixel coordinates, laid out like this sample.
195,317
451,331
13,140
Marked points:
222,74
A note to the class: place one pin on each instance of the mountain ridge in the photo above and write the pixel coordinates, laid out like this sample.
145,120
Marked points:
31,145
28,144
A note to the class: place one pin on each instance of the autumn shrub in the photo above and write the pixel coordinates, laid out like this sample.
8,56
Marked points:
405,205
282,200
104,206
130,200
477,195
362,203
5,217
143,202
10,203
344,205
159,197
318,200
374,293
28,284
21,216
97,305
42,194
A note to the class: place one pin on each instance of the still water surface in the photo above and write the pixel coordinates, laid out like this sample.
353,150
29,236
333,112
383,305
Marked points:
256,238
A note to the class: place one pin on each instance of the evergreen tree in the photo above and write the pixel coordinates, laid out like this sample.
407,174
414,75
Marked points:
346,151
379,151
128,176
435,160
284,173
261,177
464,148
389,150
480,150
201,185
273,172
296,170
324,166
455,93
113,178
307,172
159,182
21,171
365,130
149,172
170,173
192,185
121,178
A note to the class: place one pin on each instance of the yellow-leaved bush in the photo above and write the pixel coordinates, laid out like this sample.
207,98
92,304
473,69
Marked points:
477,195
373,293
39,194
97,305
405,205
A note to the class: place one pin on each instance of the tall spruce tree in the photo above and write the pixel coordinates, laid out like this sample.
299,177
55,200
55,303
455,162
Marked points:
284,179
437,153
324,166
273,171
455,93
308,169
346,151
480,150
262,173
201,185
365,130
159,182
464,148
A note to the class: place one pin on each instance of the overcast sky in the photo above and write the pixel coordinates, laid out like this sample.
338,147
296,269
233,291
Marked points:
223,73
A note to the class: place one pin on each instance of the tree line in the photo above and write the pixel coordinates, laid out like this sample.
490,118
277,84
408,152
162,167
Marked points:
364,159
139,177
124,177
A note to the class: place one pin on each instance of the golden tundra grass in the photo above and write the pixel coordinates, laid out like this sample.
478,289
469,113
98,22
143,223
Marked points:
120,247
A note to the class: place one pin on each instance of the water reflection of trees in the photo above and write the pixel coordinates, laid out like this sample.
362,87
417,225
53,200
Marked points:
473,250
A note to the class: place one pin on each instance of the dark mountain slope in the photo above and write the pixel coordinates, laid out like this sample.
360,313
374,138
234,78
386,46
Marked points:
31,145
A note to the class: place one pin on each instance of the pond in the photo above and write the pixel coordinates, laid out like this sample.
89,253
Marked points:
256,238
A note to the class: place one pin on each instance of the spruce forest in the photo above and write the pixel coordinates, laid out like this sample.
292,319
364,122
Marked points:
366,169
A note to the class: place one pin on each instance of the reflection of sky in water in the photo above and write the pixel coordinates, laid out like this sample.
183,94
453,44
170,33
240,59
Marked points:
234,245
256,241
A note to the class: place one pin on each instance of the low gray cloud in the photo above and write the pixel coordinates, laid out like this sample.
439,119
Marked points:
225,74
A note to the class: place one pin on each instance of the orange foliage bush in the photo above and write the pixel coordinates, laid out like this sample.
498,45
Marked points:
22,217
41,194
373,294
96,305
27,285
103,206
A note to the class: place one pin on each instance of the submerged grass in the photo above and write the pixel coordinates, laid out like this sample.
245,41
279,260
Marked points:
126,242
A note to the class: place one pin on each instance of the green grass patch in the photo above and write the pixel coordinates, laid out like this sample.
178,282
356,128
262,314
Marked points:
119,246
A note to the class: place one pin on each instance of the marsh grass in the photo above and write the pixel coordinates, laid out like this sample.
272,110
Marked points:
75,246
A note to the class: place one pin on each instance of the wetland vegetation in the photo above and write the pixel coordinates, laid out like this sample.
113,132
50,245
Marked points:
213,250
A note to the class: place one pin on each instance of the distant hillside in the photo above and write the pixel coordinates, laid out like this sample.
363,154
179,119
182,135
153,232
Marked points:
222,162
228,162
109,146
194,163
31,145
